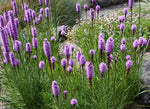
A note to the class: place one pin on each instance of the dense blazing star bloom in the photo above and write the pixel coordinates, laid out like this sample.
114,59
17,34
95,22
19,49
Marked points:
33,14
120,18
4,38
123,40
6,18
129,63
65,92
71,62
131,3
40,17
92,52
34,32
41,2
123,18
24,7
6,55
101,35
144,42
47,48
12,58
78,54
17,22
122,26
85,7
89,70
2,23
64,63
101,44
111,57
128,57
140,41
53,39
63,33
17,62
35,43
72,47
47,3
28,47
102,68
133,28
135,44
41,65
109,45
125,11
92,14
17,46
55,89
98,8
53,59
74,102
67,51
15,8
82,60
47,12
78,7
34,57
35,21
69,69
28,15
25,19
63,28
122,47
41,11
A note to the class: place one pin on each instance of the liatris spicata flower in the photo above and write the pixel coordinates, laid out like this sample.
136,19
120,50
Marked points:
33,14
2,24
28,48
67,51
140,41
133,28
92,52
122,47
47,12
121,18
63,28
17,22
53,60
101,35
93,2
4,38
6,18
123,41
64,63
144,42
74,102
92,15
47,3
17,46
35,21
65,92
82,60
128,57
78,54
41,65
71,62
17,62
6,55
129,63
125,11
102,68
122,26
63,35
55,89
78,9
111,57
72,48
53,39
34,57
135,44
34,32
12,58
41,11
86,8
47,48
131,3
69,69
41,2
40,17
101,46
97,10
35,43
15,8
28,16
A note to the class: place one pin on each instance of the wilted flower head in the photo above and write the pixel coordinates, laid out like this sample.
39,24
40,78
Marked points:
82,60
125,11
102,68
129,63
71,62
89,70
128,57
85,7
123,40
41,65
47,48
109,45
78,55
53,59
122,26
28,47
133,28
135,44
122,47
64,62
78,7
92,14
17,46
74,102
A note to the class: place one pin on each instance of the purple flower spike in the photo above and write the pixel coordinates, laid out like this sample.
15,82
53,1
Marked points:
131,3
41,2
47,12
28,48
102,68
2,24
6,18
92,14
28,16
12,58
47,48
78,7
63,28
33,14
128,57
135,44
53,39
82,60
123,40
15,8
47,3
63,33
85,7
41,65
6,55
17,46
111,57
17,22
67,51
34,57
122,47
125,11
53,60
122,26
89,70
41,11
101,35
129,63
98,8
140,41
55,89
72,48
133,28
92,52
144,42
65,92
78,55
34,32
35,21
17,62
40,17
71,62
101,44
69,69
109,45
35,43
74,102
64,63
